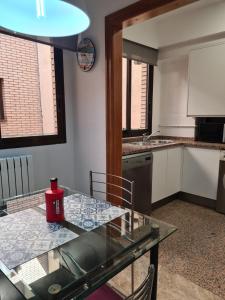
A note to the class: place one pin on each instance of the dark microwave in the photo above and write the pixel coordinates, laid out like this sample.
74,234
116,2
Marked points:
210,130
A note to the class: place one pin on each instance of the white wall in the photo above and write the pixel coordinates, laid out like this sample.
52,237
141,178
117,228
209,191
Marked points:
55,160
90,95
172,94
173,118
156,100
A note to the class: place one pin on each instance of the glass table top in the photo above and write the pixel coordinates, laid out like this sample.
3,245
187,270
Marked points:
89,256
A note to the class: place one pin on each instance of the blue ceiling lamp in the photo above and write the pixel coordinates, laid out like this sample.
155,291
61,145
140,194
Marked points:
44,18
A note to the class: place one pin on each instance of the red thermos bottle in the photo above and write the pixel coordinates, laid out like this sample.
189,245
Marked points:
54,202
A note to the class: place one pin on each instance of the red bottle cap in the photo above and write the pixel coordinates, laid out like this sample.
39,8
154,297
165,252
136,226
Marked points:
54,183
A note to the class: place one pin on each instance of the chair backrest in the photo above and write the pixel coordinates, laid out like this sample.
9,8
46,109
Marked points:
23,202
144,291
30,200
113,187
111,182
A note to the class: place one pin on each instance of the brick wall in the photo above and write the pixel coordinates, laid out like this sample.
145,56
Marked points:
21,89
139,96
54,89
139,101
144,100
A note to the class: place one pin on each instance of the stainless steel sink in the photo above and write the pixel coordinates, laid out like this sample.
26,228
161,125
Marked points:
139,143
153,143
163,141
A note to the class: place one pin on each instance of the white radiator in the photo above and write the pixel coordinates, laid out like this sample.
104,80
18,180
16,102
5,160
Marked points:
16,176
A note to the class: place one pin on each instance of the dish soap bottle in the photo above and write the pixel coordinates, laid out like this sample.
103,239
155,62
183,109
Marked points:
54,202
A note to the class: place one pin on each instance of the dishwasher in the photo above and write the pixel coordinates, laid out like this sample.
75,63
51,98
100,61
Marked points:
138,168
220,203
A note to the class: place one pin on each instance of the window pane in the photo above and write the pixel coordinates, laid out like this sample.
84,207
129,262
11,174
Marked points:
139,90
124,92
28,91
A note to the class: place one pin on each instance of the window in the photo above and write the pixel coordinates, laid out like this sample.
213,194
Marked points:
32,109
137,97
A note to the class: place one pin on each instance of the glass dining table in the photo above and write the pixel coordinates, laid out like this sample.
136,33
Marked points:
71,259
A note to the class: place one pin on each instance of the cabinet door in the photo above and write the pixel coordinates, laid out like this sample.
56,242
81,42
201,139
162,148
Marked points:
206,96
159,175
201,172
174,170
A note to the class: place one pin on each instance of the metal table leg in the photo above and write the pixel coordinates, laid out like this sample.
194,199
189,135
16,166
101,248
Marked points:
154,255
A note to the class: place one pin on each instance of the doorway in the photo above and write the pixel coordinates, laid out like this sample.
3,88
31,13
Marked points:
114,23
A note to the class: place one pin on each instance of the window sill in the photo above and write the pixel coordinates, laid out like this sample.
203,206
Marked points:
10,143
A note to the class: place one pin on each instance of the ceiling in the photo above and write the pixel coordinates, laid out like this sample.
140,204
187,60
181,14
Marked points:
191,22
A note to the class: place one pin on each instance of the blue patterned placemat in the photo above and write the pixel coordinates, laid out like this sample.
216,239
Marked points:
26,234
89,213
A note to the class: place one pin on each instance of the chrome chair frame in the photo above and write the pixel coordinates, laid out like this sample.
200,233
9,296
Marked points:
120,188
129,191
144,291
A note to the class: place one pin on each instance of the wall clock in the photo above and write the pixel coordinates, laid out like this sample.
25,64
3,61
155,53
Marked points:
86,54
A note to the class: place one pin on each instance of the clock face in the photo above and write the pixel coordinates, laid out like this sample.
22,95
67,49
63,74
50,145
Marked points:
86,54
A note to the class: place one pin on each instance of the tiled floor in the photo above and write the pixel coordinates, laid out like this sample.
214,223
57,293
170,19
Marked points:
175,287
192,261
197,250
171,286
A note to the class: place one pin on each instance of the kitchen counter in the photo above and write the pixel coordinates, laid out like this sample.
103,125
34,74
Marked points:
129,148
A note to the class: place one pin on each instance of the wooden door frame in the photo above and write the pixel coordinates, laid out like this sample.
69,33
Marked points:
138,12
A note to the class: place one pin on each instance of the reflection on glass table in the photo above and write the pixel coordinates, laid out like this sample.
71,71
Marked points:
79,255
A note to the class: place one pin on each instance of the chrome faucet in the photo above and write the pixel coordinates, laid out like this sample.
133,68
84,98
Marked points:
147,137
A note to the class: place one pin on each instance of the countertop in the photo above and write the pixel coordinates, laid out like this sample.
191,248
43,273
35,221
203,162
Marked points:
129,148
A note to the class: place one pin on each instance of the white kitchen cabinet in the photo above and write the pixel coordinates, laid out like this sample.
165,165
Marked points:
200,172
166,175
159,175
174,170
206,82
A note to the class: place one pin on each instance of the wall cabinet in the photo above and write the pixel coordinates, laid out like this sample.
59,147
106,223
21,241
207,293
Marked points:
201,172
206,83
166,174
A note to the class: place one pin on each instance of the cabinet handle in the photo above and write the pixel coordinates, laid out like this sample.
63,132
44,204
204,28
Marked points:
224,181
